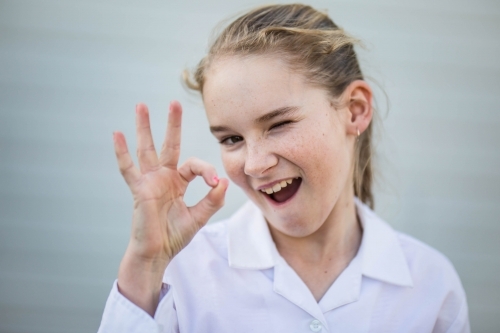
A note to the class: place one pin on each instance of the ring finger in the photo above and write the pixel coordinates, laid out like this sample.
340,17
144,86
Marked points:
146,152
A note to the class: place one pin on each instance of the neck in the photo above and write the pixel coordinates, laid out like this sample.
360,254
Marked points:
337,239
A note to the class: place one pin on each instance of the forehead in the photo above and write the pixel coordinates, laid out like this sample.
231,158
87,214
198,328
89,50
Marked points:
250,86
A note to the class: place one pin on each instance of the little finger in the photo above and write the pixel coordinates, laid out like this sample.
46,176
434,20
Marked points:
127,168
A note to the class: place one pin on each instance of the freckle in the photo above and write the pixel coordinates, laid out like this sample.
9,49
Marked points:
325,272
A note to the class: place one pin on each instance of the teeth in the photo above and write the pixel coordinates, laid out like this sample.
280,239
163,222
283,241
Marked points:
278,186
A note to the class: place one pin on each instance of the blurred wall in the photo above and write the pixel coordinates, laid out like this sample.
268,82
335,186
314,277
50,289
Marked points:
71,73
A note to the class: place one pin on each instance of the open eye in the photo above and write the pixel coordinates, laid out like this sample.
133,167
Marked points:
231,140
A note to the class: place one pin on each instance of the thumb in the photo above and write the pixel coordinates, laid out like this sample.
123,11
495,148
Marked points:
210,204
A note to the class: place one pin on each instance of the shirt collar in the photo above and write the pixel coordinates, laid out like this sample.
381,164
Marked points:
381,253
250,245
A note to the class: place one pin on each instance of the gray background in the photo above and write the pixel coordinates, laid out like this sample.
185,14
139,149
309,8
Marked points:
72,71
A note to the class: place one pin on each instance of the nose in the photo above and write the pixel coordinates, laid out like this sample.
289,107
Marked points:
259,159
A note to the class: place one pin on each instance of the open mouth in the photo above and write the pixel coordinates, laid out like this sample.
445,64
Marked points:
283,191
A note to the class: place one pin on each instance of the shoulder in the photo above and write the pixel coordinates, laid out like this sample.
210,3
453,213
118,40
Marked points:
437,284
399,257
436,280
429,266
429,280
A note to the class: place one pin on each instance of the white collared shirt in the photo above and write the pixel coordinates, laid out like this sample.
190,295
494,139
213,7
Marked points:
231,278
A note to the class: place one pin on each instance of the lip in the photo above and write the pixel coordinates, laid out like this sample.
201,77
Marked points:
280,204
271,184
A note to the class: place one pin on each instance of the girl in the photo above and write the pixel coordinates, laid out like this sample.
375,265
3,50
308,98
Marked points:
286,99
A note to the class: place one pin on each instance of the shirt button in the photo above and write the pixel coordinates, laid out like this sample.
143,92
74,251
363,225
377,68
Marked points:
315,325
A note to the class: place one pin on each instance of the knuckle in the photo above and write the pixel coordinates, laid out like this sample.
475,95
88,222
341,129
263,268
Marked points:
210,205
221,203
186,163
145,150
124,169
214,205
174,146
192,163
149,147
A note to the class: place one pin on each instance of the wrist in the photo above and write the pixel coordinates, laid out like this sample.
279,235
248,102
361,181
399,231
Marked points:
140,280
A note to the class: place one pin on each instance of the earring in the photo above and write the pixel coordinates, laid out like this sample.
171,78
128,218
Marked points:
358,131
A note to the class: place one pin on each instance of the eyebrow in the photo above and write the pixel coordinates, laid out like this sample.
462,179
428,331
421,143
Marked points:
284,111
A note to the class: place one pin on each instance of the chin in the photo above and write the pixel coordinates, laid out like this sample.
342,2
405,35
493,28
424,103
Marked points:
293,226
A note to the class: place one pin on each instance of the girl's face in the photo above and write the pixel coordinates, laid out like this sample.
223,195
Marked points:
275,129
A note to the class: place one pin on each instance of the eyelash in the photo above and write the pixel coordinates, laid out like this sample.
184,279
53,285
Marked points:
224,140
278,125
283,123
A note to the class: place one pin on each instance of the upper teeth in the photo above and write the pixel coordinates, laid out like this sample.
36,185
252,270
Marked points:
277,187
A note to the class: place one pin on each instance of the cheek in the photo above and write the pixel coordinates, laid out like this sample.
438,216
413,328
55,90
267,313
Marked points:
233,165
322,155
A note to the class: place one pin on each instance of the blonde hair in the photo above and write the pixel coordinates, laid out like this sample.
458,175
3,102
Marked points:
311,44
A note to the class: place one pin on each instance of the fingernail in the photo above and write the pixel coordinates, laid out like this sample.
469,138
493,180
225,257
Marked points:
216,179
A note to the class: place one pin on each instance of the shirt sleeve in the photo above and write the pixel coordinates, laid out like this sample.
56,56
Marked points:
121,315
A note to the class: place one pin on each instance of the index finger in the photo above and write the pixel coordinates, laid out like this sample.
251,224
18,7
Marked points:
171,149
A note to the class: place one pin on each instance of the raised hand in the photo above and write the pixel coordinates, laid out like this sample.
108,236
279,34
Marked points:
162,224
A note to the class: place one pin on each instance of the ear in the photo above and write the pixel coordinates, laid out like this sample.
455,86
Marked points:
358,97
